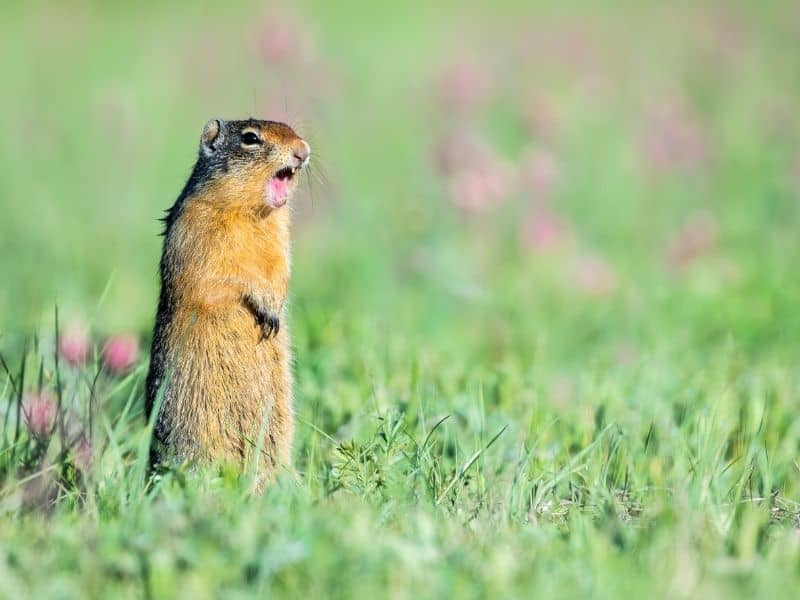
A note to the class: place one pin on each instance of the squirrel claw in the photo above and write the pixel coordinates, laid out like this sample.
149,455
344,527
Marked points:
267,321
270,325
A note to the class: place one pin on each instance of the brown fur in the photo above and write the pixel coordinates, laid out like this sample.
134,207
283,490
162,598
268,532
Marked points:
226,388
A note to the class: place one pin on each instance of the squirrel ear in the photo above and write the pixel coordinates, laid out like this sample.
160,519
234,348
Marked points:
211,133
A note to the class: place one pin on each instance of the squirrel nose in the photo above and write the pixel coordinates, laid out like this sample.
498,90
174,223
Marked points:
301,152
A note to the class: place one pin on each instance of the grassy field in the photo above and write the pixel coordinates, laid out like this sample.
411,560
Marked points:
545,303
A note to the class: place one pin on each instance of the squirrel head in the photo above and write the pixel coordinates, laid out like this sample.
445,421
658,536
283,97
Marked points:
253,161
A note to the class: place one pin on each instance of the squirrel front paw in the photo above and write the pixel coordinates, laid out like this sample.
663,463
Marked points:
268,320
270,324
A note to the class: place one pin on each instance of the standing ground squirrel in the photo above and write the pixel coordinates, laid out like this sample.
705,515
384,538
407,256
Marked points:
220,361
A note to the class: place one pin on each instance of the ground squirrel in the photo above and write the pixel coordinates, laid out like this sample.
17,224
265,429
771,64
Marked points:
220,360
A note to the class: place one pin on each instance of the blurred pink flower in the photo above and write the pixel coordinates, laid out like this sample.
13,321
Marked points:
721,39
672,139
464,86
466,192
469,193
544,230
120,353
476,178
575,45
539,171
282,42
461,149
595,276
74,344
40,413
482,188
498,179
696,238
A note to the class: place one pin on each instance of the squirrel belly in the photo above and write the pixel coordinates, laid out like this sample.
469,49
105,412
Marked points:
227,391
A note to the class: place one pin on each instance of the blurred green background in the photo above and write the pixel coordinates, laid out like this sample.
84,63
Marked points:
651,118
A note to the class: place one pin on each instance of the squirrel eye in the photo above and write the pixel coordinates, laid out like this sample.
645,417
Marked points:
250,139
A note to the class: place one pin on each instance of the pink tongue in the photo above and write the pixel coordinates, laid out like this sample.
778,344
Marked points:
277,192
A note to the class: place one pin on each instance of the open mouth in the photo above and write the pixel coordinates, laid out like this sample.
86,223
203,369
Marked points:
278,186
286,173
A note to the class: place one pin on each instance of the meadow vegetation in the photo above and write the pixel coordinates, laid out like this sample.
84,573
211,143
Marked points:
544,305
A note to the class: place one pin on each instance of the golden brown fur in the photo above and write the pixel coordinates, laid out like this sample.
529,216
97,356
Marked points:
225,385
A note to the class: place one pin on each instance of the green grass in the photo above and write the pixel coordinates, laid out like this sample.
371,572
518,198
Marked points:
470,423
